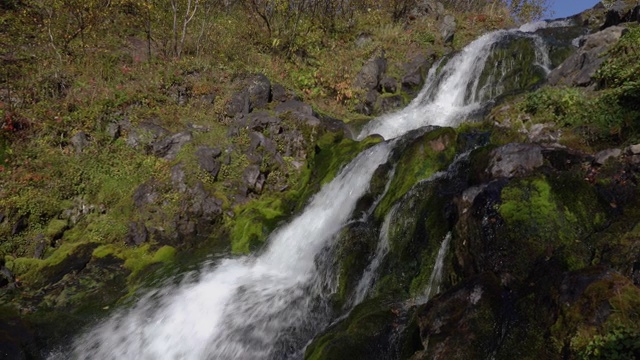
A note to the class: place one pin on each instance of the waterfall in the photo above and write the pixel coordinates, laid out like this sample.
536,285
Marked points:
451,91
270,304
239,308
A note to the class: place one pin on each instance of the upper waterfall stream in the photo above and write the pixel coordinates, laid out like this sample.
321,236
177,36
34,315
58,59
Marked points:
269,305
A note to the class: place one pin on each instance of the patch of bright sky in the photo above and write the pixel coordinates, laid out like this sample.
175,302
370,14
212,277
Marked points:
564,8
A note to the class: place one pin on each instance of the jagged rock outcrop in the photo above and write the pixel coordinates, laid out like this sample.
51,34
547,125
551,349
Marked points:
621,11
579,69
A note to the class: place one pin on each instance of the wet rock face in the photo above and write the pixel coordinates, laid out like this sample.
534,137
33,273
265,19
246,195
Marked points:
528,225
462,323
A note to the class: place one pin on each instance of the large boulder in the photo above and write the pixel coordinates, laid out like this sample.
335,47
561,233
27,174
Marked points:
579,68
415,71
206,157
371,73
259,90
621,11
144,135
515,159
169,147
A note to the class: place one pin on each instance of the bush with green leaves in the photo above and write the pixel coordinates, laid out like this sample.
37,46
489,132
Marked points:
620,74
619,344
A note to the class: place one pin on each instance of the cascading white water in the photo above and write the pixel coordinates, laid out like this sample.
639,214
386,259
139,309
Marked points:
451,91
264,306
239,309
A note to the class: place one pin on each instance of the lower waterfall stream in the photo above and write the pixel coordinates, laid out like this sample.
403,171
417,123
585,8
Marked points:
269,305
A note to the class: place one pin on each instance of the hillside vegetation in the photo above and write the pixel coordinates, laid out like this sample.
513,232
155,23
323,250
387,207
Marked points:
141,137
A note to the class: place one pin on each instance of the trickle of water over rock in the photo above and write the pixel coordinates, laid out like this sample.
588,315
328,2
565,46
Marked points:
270,305
436,274
369,276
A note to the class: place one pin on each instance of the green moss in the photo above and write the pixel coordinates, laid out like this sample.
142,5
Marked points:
39,272
514,72
253,222
355,337
333,151
104,251
427,155
136,259
55,228
529,204
165,254
552,214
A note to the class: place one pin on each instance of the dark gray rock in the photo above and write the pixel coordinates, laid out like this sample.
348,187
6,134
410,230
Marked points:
411,81
515,160
303,118
424,8
259,90
145,134
20,225
621,11
371,73
258,140
579,68
448,28
80,141
207,160
138,234
226,157
261,120
368,105
238,104
293,105
145,194
415,71
389,85
251,178
169,147
390,103
280,94
204,205
335,125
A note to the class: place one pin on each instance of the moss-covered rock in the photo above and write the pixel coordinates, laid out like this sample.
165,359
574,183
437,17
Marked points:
508,69
419,158
364,335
